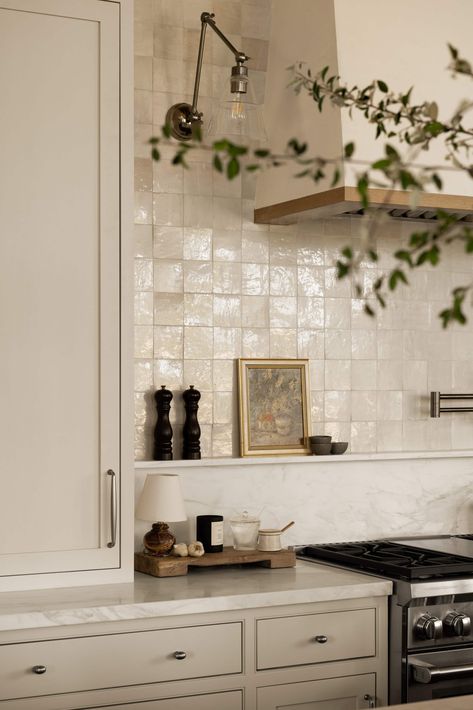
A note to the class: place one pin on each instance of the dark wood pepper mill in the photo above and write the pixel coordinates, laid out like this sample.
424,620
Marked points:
191,431
163,429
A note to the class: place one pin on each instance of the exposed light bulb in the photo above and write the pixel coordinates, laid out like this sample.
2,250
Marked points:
238,108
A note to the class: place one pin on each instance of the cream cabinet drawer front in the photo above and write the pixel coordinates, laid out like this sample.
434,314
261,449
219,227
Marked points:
315,638
231,700
68,665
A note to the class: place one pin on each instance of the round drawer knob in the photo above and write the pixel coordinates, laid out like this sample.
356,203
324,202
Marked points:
321,639
180,655
39,670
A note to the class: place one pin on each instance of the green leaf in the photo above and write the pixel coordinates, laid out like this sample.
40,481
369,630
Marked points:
155,154
347,252
261,153
362,187
382,86
453,52
218,165
404,255
251,168
166,130
394,277
324,72
382,164
233,168
434,128
342,269
349,150
368,310
335,178
436,179
391,152
153,141
221,145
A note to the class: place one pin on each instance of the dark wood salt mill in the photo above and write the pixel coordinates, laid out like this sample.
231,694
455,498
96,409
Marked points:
163,429
191,431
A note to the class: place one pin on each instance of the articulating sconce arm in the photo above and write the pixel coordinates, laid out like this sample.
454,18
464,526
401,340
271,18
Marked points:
183,118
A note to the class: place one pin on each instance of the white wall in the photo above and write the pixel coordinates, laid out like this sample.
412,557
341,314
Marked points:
212,286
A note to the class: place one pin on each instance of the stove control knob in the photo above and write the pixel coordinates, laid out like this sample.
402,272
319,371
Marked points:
428,627
457,623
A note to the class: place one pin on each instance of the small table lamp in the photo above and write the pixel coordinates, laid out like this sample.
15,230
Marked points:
161,499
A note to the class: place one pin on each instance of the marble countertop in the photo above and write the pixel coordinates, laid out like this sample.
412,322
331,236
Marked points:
202,590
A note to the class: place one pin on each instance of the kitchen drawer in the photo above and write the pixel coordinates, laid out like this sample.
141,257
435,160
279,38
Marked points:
231,700
120,659
315,638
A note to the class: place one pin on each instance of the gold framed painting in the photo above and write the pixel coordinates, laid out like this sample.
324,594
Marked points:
274,398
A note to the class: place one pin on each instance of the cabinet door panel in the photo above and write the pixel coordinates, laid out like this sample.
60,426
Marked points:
59,283
346,693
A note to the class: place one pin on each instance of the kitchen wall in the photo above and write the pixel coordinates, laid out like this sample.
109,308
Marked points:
211,286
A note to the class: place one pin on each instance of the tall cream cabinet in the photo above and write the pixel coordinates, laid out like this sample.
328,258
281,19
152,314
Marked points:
66,465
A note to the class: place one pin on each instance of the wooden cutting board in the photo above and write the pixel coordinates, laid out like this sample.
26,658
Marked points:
176,566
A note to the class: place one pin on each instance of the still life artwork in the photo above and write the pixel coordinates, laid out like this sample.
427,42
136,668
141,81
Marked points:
273,402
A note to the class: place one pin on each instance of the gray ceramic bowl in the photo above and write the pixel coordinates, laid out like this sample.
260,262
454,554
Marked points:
339,447
321,449
320,439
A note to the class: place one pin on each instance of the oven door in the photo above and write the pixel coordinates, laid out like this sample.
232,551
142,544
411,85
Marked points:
440,674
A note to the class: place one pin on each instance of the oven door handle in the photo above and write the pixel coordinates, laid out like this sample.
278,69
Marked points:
426,673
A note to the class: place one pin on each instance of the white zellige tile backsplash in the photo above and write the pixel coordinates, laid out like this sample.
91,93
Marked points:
211,286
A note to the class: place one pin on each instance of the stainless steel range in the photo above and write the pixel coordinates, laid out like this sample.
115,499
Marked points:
430,628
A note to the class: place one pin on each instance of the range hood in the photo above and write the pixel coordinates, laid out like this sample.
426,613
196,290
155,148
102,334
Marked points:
405,44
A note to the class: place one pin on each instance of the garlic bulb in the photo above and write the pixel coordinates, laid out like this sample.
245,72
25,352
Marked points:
196,549
180,550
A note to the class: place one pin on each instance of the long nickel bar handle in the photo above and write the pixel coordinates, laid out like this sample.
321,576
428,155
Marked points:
437,397
428,674
113,507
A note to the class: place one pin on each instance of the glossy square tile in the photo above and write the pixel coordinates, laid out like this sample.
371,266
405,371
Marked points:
226,245
143,207
199,374
227,343
390,375
363,437
167,177
363,374
364,344
227,277
143,341
143,238
337,405
224,375
168,210
169,373
389,436
254,279
143,274
227,311
143,106
169,342
337,344
282,312
143,175
168,276
337,313
255,311
310,313
226,213
317,375
255,342
198,211
168,308
197,276
389,406
198,309
143,311
338,374
168,242
310,344
222,440
143,73
283,342
197,244
363,406
310,281
282,247
198,342
143,375
223,407
255,247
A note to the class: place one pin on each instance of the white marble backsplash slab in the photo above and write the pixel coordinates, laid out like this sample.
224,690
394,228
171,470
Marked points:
352,500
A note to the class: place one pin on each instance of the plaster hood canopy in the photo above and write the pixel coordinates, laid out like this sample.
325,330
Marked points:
403,43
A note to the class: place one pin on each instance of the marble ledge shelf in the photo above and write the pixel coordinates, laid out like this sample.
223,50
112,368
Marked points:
302,460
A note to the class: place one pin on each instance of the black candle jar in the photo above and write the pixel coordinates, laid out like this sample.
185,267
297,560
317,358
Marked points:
209,531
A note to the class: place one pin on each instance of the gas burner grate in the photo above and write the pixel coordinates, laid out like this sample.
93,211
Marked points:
390,559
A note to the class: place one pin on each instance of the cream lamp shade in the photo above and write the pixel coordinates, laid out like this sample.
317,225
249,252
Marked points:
161,499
